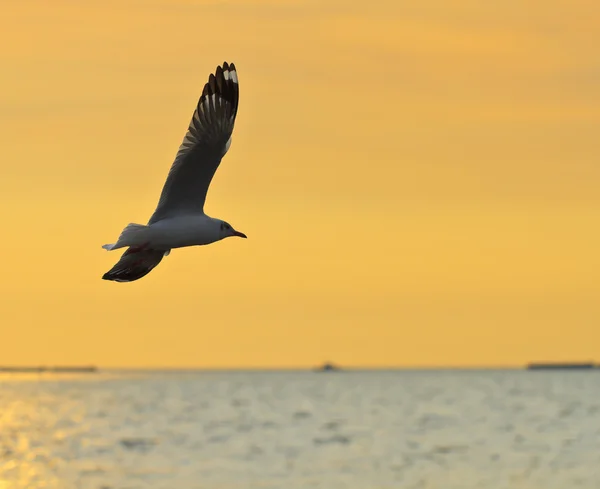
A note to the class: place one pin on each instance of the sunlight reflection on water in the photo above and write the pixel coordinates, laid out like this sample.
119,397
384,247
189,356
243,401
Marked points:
360,430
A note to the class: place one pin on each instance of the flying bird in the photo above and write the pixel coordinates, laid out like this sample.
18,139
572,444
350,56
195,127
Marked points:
179,219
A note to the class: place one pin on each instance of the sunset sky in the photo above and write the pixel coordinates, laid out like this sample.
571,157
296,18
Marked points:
419,182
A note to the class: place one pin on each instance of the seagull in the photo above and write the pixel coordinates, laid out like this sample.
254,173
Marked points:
179,219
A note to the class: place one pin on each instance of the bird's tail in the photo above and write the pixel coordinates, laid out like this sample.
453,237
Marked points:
134,264
132,235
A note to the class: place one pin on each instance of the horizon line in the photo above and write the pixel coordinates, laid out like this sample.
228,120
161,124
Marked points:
323,366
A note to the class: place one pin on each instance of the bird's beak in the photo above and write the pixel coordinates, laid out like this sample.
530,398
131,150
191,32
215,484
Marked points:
241,235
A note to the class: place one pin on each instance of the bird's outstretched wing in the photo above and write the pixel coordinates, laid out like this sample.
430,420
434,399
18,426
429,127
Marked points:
207,140
134,264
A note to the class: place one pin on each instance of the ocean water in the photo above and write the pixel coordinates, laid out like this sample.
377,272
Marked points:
355,430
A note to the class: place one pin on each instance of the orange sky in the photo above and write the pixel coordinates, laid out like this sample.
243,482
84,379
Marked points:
419,183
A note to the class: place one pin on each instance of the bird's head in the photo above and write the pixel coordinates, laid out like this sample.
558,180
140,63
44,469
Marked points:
227,230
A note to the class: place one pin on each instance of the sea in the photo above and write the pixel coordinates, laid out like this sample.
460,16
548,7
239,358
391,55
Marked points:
429,429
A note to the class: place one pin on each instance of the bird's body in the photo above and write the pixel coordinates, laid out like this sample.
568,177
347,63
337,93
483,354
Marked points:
172,232
192,230
179,219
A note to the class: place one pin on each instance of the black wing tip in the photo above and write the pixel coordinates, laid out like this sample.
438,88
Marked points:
225,71
223,83
228,66
217,107
112,277
125,276
133,265
115,277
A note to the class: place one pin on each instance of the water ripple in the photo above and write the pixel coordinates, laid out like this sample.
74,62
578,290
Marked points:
457,430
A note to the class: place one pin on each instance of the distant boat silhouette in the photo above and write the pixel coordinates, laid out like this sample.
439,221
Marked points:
328,367
561,366
56,369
